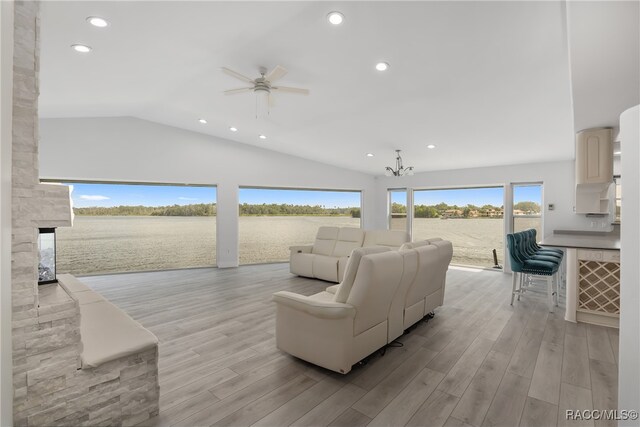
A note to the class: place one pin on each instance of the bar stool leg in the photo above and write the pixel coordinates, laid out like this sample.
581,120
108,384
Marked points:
513,283
521,285
557,293
550,293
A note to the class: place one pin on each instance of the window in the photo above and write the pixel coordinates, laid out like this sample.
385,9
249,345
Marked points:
130,227
527,208
273,219
398,209
471,218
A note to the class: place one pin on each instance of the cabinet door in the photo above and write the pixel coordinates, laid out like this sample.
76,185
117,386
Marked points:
594,156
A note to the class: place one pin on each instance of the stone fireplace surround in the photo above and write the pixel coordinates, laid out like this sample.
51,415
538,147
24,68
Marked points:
49,388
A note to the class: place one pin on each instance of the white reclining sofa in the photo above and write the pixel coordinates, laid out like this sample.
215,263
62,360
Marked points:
383,293
327,258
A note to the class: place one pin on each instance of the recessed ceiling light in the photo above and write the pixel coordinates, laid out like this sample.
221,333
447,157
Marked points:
369,154
81,48
335,18
233,129
382,66
431,146
203,121
262,136
96,21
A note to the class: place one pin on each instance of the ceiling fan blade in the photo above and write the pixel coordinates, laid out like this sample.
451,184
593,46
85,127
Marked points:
239,90
237,75
276,74
291,90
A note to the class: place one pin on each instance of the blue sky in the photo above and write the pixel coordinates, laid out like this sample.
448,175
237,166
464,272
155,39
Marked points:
527,193
105,195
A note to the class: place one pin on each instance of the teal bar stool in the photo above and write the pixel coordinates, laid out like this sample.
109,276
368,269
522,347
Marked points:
523,264
558,252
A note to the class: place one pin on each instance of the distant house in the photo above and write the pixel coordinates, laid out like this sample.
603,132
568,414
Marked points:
492,213
452,213
521,212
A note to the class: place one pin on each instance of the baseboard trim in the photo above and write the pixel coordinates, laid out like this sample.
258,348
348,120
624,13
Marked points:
227,264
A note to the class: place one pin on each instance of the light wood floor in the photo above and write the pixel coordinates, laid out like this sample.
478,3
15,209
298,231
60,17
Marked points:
478,362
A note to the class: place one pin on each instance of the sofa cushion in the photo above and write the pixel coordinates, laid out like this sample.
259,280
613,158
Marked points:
391,238
332,289
425,279
343,261
413,245
301,264
396,311
325,268
373,289
325,240
349,238
344,288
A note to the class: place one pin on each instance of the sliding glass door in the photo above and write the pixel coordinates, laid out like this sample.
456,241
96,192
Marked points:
471,218
123,227
397,209
272,219
527,207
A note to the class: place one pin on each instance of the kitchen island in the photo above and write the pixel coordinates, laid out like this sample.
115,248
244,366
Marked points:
593,275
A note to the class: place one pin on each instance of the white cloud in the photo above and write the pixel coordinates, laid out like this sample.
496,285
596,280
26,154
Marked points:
93,197
187,198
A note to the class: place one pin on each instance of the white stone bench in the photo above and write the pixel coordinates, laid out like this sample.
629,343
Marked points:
114,346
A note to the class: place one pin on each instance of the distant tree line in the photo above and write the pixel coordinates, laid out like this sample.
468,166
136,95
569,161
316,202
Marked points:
283,209
527,207
200,209
209,209
468,211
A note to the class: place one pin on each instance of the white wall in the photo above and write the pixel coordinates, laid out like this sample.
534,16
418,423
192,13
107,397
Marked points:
134,150
6,107
559,188
629,364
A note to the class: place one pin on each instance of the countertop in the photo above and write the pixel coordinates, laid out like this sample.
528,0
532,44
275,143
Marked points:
605,241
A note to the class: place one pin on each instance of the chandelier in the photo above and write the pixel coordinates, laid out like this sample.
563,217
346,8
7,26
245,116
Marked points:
399,170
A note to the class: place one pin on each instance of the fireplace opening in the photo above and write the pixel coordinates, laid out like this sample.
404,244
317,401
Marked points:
47,256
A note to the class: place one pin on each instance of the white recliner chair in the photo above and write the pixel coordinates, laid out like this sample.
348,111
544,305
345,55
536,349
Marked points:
435,294
327,258
427,290
337,331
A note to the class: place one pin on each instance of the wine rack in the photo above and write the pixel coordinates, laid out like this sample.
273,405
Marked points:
599,286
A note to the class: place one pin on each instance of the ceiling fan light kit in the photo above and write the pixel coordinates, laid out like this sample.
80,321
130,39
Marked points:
400,170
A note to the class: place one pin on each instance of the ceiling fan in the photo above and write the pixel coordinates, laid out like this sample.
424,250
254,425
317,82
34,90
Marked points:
264,83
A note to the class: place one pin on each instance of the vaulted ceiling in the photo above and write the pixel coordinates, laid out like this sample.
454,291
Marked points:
488,83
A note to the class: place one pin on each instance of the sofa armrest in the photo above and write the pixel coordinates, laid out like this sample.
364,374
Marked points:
314,307
306,249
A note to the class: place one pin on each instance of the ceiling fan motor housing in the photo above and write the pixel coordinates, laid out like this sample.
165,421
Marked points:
261,84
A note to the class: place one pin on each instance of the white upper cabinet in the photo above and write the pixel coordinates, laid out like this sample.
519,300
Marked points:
594,156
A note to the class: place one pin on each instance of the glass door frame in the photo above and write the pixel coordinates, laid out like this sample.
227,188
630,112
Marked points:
507,195
510,226
408,206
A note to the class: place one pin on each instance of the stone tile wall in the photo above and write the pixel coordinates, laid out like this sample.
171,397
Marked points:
49,387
